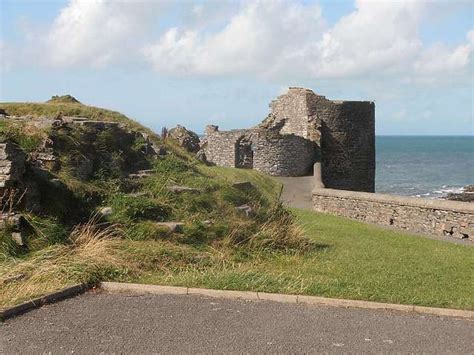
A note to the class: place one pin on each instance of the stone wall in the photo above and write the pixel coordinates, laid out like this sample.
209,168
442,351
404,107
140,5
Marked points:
282,155
431,217
294,110
12,165
341,135
220,146
348,145
261,149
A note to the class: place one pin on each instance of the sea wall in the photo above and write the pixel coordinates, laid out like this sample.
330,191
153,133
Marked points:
431,217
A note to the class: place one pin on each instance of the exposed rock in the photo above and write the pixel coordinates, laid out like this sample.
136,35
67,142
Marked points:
19,238
173,227
180,189
12,164
201,155
469,188
186,138
138,194
245,209
140,174
466,196
18,225
106,211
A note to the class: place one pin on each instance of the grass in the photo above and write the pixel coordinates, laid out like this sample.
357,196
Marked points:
347,260
66,107
272,249
353,260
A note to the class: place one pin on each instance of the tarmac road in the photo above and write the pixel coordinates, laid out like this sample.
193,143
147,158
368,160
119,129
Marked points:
116,323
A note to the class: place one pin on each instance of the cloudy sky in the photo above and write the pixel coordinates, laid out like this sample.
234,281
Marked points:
202,62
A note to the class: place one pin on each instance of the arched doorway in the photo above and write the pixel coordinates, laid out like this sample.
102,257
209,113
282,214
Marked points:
243,153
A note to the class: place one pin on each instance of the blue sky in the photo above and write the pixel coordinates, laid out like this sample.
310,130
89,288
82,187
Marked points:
197,63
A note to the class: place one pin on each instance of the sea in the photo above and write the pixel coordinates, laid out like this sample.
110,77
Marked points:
424,166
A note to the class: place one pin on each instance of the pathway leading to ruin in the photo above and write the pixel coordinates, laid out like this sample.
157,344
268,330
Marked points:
123,324
297,191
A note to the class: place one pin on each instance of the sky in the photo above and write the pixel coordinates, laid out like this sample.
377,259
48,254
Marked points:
221,62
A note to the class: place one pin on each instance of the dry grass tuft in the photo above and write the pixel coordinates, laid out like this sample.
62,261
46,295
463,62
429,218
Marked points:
278,232
89,258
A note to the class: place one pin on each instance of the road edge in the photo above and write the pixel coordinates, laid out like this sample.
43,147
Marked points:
53,297
119,287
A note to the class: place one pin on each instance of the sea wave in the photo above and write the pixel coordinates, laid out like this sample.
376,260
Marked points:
441,193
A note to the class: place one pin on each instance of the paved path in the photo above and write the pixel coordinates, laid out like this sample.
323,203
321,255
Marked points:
108,323
297,191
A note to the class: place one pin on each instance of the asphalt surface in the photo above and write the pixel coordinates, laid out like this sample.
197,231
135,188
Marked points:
297,191
115,323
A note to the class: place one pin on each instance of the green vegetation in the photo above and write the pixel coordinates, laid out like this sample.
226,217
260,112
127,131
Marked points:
270,249
351,260
65,106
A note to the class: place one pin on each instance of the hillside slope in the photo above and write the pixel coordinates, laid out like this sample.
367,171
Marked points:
87,188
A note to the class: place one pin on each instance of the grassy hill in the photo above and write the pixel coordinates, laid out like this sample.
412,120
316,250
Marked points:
71,239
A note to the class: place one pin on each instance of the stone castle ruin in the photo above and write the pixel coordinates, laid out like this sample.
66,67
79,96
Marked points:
302,129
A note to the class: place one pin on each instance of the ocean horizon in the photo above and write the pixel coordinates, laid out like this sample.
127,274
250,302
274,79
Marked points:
424,165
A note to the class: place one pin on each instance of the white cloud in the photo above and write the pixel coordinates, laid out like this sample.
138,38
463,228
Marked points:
287,40
262,36
95,32
441,58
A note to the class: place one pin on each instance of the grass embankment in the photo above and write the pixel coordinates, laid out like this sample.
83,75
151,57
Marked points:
220,246
354,261
68,107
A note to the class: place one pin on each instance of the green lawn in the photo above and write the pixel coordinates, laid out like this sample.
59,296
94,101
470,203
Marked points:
352,260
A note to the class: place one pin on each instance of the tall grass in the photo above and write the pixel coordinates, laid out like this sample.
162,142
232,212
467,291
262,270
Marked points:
88,258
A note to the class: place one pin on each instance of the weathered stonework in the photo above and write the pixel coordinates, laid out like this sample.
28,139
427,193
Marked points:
301,129
432,217
12,164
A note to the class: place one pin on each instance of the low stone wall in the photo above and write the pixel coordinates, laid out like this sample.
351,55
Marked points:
418,215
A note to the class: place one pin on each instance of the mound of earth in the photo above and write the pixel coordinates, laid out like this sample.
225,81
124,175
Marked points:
64,99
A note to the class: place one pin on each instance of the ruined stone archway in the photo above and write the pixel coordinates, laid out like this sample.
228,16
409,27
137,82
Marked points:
243,153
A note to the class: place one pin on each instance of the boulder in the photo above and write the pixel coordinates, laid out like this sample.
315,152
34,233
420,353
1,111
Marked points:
140,174
173,227
186,138
467,195
106,211
180,189
19,238
245,209
201,155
